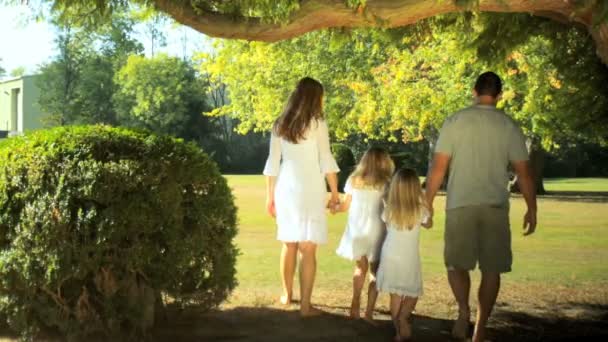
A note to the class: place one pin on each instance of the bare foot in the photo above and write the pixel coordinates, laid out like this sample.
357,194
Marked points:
285,300
370,319
479,334
460,330
311,312
405,329
354,309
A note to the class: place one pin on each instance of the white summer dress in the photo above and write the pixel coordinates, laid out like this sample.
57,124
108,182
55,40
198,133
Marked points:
300,193
364,230
400,270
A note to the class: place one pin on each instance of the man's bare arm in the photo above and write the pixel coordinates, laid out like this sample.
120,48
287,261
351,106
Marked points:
439,167
527,188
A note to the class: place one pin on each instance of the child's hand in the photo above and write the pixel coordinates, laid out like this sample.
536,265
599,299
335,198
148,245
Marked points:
428,224
333,206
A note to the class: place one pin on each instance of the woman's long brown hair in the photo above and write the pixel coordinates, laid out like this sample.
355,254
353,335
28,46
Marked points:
304,105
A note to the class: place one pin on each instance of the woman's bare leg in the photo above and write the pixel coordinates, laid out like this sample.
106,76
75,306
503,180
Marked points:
308,269
289,255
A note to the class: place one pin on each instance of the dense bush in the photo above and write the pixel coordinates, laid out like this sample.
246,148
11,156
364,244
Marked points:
97,223
346,161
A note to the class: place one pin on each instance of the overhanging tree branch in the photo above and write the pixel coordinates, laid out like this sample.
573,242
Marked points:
319,14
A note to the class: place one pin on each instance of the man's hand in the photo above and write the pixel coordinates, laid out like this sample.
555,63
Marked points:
529,222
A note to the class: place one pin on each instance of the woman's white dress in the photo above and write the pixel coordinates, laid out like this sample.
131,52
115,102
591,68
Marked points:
400,270
364,230
300,192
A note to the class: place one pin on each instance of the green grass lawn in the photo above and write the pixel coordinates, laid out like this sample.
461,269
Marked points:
570,245
577,184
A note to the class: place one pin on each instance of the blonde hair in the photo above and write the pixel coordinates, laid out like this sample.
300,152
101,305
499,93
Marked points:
305,104
374,169
405,205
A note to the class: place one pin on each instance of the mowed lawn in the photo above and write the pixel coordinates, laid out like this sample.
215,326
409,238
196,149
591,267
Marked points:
561,271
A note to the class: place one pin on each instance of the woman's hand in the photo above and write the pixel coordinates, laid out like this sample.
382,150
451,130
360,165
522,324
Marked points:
270,209
334,203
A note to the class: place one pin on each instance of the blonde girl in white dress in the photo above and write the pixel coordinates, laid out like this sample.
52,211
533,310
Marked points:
298,161
364,230
400,271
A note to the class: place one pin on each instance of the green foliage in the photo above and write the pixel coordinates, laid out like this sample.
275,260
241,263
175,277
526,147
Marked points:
18,71
97,222
346,162
158,93
2,71
401,84
77,86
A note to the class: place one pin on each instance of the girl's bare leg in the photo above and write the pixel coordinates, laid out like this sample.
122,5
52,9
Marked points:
396,301
407,307
288,261
358,281
372,293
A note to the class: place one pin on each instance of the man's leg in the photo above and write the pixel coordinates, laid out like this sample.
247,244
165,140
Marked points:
461,255
460,282
488,291
495,257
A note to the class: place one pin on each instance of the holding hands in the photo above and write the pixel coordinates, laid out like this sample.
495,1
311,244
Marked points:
334,203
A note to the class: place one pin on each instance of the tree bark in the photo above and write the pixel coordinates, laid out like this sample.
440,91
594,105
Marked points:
537,165
319,14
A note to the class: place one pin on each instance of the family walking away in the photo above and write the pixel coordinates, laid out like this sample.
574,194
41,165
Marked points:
387,208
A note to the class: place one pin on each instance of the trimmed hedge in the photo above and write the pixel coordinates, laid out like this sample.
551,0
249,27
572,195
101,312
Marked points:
346,162
97,223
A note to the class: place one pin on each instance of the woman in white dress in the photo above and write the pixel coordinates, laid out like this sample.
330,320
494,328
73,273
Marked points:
400,272
364,231
299,160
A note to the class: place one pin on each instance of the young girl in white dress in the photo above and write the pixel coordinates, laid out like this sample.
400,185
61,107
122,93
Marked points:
399,272
364,231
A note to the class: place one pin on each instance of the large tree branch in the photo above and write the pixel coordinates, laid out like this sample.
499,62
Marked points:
318,14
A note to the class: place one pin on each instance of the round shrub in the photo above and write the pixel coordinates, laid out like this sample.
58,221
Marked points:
346,162
97,224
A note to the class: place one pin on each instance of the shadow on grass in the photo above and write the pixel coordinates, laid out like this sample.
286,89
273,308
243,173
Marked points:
577,196
272,324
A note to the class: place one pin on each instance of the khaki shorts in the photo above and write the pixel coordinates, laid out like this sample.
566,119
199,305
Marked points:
478,234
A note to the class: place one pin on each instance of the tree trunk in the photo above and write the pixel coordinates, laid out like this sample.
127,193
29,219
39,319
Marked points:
319,14
537,165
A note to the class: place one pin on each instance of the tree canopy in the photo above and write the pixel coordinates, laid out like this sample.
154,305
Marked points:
402,83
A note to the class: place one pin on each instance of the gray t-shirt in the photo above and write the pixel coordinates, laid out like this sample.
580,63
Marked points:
481,141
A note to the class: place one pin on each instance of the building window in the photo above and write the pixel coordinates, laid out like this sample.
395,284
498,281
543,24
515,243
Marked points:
14,109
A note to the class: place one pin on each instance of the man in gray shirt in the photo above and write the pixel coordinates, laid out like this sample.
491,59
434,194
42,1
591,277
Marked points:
477,144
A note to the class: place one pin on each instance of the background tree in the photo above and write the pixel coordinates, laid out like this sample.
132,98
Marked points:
77,86
161,93
18,71
2,71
